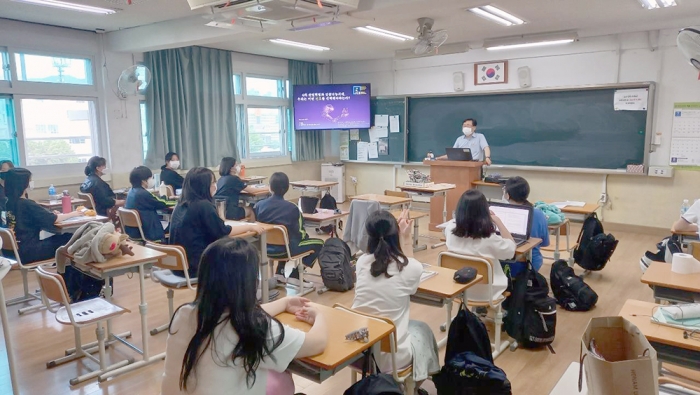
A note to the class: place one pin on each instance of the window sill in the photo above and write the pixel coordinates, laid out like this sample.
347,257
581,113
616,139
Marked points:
252,163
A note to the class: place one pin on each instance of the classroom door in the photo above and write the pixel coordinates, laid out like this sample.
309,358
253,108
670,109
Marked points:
8,133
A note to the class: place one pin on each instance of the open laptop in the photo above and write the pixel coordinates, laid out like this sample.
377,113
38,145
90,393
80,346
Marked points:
516,218
463,154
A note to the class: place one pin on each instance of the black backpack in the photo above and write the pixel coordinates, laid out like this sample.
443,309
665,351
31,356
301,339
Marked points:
374,384
336,271
308,204
468,333
82,286
532,313
469,374
594,247
570,291
328,202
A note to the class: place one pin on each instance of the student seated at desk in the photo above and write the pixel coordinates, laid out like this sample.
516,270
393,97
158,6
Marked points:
5,165
101,192
517,191
28,219
229,188
474,233
689,221
277,211
143,201
168,172
195,223
386,278
225,342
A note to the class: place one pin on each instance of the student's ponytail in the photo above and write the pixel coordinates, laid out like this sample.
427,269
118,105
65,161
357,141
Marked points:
383,231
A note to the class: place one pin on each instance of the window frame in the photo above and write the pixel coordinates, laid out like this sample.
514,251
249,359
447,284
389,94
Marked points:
54,55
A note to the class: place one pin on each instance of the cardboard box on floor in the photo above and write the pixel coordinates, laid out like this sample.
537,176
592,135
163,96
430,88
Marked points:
629,366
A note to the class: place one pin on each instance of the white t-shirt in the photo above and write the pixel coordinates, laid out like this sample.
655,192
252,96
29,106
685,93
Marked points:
389,297
215,373
492,248
693,213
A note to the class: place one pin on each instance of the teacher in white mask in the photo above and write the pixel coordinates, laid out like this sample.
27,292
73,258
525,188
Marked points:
476,142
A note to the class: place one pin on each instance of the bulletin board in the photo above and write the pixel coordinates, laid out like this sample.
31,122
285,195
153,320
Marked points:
391,106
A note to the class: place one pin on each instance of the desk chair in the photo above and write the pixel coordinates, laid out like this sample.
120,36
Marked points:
90,200
10,243
81,314
558,230
277,236
388,345
132,219
170,191
389,192
176,260
484,267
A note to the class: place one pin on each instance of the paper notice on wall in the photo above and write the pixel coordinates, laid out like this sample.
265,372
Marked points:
381,120
362,151
377,132
355,134
344,145
394,124
631,99
383,146
344,153
685,135
373,151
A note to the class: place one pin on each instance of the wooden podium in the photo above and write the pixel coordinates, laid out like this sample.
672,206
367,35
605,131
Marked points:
460,173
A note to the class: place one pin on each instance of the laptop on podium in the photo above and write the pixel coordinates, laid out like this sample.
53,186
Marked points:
516,218
461,154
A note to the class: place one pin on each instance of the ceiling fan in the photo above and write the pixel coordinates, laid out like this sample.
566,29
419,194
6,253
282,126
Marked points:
429,40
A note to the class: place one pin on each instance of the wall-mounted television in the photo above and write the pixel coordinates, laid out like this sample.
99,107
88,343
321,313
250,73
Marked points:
332,106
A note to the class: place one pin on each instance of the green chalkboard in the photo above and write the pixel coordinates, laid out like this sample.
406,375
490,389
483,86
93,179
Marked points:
567,128
397,141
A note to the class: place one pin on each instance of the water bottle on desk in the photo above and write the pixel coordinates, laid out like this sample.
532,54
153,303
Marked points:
66,205
52,192
162,190
685,206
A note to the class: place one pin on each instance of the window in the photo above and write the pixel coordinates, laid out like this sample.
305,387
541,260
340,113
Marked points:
70,127
144,128
59,70
265,87
236,84
4,65
264,130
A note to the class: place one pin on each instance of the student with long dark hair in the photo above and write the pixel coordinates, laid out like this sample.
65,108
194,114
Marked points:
28,219
225,342
101,192
517,191
5,165
168,172
474,233
229,188
387,276
143,201
195,223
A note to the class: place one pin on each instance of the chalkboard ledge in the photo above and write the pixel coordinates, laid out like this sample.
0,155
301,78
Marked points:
622,172
374,162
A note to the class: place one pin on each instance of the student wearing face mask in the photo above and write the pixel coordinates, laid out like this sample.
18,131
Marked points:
105,199
229,188
139,199
168,172
28,219
476,142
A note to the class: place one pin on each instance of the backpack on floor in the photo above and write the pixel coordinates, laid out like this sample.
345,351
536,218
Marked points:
594,247
328,202
374,384
468,333
468,374
570,291
665,250
308,204
336,271
82,286
532,313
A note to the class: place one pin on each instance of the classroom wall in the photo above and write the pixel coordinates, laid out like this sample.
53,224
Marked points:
635,200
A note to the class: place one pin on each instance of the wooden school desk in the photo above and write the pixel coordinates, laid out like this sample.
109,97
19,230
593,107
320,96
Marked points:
253,180
668,342
260,241
141,261
440,290
385,202
72,224
684,236
525,250
670,286
432,191
578,213
313,186
415,216
324,218
339,352
57,205
555,229
261,193
492,190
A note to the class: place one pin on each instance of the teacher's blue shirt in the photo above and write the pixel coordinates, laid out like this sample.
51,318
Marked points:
476,143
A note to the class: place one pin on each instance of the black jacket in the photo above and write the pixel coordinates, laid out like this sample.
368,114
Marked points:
171,177
147,205
101,192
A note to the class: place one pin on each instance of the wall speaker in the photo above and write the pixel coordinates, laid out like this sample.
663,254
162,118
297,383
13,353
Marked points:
524,77
458,81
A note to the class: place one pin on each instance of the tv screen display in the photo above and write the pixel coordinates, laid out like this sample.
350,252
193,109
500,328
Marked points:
331,106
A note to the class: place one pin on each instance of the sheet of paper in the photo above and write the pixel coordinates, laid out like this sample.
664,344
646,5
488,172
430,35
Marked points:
345,153
383,146
355,134
631,99
373,134
394,124
344,137
362,151
344,145
685,142
373,151
381,120
568,204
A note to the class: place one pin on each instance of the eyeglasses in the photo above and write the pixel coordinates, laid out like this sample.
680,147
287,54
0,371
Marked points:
694,334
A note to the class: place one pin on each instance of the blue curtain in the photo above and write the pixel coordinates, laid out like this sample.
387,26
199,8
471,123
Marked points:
191,106
306,145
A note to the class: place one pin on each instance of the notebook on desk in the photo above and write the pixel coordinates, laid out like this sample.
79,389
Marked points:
516,218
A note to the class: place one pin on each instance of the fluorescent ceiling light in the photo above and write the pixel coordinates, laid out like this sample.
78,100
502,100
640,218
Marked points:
652,4
529,45
488,15
70,6
498,12
384,33
299,45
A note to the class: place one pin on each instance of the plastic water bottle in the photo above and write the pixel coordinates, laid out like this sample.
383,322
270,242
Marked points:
685,206
162,189
52,191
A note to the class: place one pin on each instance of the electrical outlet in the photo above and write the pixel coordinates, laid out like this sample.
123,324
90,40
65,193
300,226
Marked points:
353,179
661,171
603,197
